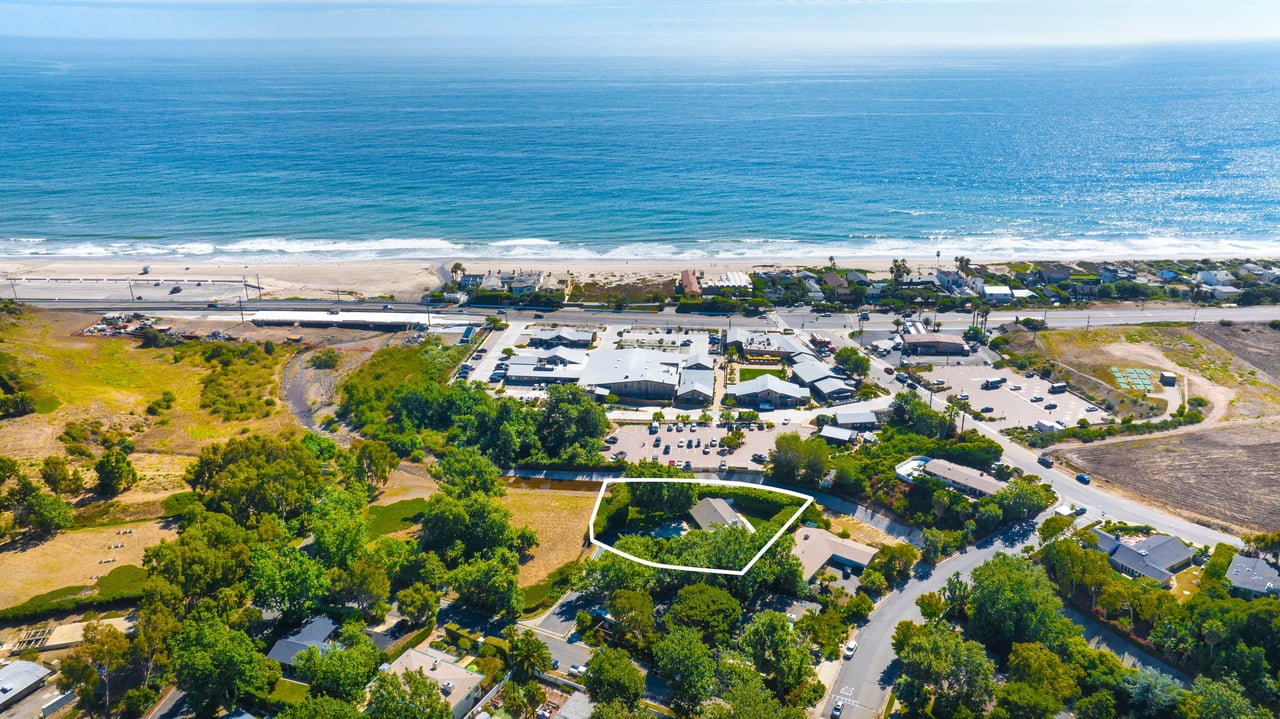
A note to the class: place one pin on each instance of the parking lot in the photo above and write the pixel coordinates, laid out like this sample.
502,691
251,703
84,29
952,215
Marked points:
638,443
1012,404
692,342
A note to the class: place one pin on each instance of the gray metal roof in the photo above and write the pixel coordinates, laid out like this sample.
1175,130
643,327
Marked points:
713,511
850,417
1254,574
20,676
811,371
1153,557
577,707
836,434
609,367
315,633
767,382
828,386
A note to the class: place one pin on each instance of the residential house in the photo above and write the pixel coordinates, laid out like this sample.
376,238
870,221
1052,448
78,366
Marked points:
315,633
713,512
920,279
999,294
839,287
1215,278
1260,273
578,706
965,480
767,392
1110,274
1167,275
471,279
1158,557
1224,292
1252,577
949,280
1031,278
461,688
816,548
1053,274
855,277
526,282
689,285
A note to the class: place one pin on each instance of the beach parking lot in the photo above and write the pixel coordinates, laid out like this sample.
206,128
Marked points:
1010,406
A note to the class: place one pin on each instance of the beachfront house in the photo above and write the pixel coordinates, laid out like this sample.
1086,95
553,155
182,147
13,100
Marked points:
1215,278
689,285
949,280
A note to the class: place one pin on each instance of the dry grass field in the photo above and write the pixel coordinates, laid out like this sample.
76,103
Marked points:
858,531
110,380
560,518
1257,344
72,558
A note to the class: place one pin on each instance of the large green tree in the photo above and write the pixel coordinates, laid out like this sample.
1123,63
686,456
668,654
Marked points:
941,667
572,425
255,475
285,579
779,653
341,672
464,471
322,708
527,655
612,677
115,473
687,664
215,664
853,361
1012,600
411,695
712,611
92,667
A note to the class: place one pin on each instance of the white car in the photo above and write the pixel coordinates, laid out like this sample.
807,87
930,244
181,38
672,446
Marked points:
680,444
838,709
964,397
1015,387
577,670
850,648
786,420
1091,408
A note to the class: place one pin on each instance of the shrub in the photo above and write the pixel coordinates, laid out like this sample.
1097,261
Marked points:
324,359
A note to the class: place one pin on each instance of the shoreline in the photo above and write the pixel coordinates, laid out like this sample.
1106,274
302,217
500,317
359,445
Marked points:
408,279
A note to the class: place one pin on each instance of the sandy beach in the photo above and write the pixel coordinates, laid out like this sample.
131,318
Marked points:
409,279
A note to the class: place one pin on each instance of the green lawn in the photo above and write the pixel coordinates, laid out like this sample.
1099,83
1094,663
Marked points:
386,519
289,692
747,374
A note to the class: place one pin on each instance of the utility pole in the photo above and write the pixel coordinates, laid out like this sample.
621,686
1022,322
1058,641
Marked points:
240,302
13,284
257,279
132,297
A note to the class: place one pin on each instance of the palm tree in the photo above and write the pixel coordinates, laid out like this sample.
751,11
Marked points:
526,653
515,699
899,269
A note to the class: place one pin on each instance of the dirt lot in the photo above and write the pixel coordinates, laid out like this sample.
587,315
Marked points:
1259,345
859,531
1227,475
71,558
559,516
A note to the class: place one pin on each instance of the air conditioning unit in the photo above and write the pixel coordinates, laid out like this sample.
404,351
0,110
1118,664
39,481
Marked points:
446,688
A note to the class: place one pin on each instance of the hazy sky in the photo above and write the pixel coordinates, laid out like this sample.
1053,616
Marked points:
658,26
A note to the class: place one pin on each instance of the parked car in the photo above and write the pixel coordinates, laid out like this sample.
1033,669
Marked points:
577,670
963,397
657,441
758,458
680,444
1051,405
987,410
838,709
666,449
688,464
1015,387
786,420
724,464
611,439
1091,408
1037,398
850,648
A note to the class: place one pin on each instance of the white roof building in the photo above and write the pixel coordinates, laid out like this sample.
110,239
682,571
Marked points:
634,372
768,391
460,687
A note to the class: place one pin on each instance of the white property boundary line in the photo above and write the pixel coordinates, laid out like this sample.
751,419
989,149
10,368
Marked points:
591,523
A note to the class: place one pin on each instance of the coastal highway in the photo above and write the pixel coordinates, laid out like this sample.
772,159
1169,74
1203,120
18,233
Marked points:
799,319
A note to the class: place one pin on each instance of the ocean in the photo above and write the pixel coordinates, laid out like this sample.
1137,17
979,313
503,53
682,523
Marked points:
268,154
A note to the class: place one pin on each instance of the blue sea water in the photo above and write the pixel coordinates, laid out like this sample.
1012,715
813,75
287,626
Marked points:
119,151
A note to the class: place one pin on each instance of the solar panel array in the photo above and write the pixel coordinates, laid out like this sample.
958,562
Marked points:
1137,378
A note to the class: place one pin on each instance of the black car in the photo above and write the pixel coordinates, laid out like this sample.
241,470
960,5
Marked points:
175,290
758,458
1045,460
